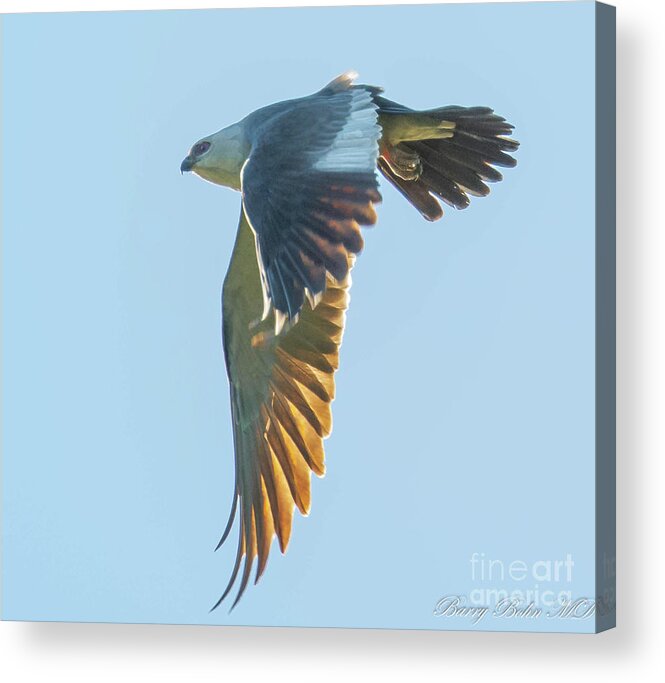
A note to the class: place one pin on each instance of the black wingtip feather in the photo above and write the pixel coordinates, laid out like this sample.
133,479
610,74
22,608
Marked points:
229,523
247,571
234,574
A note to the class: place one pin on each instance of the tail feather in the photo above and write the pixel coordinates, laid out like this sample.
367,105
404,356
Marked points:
450,192
415,192
451,168
465,177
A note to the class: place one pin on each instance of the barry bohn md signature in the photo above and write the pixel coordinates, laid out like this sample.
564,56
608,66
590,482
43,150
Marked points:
513,608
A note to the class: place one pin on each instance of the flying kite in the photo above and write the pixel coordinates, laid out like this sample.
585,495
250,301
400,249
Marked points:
306,171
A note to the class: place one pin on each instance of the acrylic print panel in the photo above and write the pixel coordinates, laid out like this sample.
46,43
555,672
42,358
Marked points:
464,466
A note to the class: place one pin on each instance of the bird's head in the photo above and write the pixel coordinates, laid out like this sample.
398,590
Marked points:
219,157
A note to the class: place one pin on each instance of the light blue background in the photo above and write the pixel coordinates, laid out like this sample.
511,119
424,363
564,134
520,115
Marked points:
465,417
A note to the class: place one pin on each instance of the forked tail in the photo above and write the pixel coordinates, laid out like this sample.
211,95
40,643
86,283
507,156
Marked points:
442,154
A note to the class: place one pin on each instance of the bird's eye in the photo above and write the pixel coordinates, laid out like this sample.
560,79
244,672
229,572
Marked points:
201,148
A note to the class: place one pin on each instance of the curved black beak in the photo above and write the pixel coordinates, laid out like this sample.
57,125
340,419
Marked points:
187,164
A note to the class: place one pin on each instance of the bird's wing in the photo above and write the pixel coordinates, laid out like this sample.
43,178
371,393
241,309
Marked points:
281,392
307,186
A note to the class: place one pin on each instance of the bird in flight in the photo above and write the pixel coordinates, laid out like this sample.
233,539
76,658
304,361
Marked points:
306,171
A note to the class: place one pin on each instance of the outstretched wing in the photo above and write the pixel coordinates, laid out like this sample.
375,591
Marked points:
281,391
308,184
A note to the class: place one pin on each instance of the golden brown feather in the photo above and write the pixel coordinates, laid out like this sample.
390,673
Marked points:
281,394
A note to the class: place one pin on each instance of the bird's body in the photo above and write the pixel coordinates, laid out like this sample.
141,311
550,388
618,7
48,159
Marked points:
306,169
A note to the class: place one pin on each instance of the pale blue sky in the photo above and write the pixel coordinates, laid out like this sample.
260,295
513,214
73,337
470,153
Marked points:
464,417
